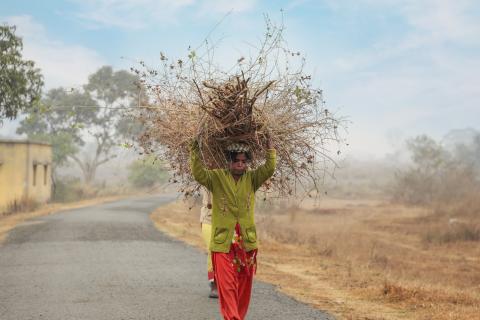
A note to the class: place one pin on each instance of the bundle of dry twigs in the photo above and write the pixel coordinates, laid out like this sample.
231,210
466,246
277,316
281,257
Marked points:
193,100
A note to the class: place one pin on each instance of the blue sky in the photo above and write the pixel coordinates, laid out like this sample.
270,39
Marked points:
394,68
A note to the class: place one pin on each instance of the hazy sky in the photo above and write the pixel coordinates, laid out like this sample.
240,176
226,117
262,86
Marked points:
395,68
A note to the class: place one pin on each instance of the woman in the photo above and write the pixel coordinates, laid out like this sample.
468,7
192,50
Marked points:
233,240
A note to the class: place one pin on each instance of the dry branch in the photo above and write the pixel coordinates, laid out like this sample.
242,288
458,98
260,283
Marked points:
270,94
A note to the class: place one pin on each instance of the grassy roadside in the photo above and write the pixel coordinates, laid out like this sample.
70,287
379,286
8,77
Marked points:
8,222
356,260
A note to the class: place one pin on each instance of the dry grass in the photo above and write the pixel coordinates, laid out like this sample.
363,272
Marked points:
358,259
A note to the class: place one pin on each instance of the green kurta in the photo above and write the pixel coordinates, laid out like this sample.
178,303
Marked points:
232,201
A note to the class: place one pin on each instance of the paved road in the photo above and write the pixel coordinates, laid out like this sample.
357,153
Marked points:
109,262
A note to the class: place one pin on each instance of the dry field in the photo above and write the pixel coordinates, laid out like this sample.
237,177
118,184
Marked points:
360,259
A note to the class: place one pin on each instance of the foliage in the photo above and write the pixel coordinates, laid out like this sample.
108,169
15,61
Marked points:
60,120
20,82
70,118
438,175
147,172
68,189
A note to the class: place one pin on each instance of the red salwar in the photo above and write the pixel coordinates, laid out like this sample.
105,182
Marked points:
210,276
234,278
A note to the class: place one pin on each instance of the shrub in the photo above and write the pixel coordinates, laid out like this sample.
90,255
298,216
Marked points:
68,189
147,172
454,233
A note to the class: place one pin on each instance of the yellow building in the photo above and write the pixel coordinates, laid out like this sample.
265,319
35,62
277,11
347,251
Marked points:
25,173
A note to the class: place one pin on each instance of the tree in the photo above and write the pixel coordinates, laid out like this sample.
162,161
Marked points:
90,120
20,82
114,92
469,154
417,184
60,119
438,175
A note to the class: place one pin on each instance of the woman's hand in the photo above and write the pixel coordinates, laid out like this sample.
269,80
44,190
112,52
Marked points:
269,140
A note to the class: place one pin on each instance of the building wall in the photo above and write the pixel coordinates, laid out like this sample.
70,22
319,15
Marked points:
18,162
39,172
13,158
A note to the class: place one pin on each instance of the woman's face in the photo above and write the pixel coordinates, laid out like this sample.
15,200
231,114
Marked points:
239,165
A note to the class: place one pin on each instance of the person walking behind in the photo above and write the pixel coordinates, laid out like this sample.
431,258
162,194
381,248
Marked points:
206,225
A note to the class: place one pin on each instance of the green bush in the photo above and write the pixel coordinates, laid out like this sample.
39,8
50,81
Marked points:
68,189
147,172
